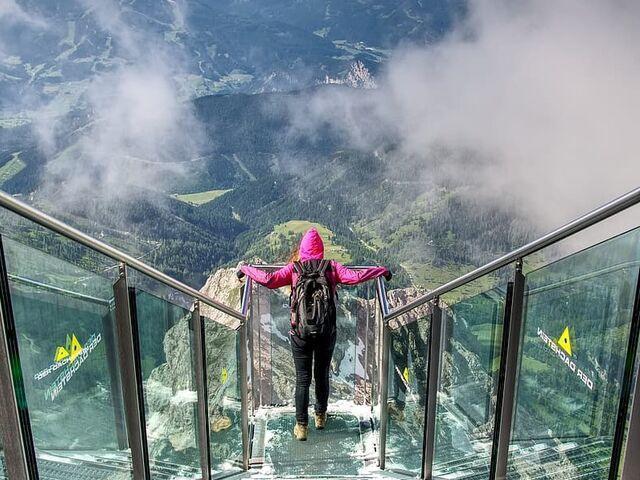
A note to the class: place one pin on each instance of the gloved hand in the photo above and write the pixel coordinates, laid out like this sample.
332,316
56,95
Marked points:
388,276
239,272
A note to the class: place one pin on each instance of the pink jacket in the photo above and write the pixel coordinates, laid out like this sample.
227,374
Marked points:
312,248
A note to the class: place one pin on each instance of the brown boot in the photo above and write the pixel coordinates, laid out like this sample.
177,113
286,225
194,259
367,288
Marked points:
321,420
300,431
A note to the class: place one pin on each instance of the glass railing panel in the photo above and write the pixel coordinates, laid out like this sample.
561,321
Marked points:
223,350
170,398
407,389
65,253
65,328
577,317
273,366
470,368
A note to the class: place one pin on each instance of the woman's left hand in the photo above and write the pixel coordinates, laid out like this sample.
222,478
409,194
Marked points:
239,272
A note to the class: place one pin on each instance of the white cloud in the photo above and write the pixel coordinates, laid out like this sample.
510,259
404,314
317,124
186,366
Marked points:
142,132
13,13
544,92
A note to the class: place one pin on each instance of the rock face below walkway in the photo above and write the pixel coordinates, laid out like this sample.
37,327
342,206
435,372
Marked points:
170,389
224,287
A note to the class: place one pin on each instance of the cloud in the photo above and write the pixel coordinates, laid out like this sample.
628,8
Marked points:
142,133
536,102
12,13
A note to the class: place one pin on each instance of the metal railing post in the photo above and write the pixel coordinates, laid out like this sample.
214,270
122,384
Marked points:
15,428
251,373
433,380
629,466
244,376
115,386
244,397
501,371
383,386
200,363
383,394
367,351
131,376
508,376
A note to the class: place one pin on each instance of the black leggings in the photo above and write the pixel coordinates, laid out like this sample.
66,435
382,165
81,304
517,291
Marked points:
307,354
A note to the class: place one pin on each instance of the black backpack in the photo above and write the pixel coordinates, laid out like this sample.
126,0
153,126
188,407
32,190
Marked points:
312,304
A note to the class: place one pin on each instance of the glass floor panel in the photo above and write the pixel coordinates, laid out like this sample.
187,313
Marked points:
83,465
405,437
343,449
96,466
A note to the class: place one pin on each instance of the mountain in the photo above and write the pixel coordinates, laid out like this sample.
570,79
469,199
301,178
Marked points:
255,181
223,46
258,182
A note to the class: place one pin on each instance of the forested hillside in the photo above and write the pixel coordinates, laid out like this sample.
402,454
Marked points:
260,174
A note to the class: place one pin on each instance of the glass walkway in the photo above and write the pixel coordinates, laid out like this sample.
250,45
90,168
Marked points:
523,369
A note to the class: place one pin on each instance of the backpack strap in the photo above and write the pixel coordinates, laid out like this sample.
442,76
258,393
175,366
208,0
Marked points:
324,265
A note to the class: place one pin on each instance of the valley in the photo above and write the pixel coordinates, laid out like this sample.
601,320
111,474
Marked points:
254,175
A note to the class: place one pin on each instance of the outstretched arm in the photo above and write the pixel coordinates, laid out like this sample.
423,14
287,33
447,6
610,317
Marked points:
348,276
270,279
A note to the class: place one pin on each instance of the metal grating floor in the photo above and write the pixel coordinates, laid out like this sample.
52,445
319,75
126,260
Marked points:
337,451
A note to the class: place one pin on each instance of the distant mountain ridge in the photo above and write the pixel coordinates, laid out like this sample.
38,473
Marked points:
428,233
226,46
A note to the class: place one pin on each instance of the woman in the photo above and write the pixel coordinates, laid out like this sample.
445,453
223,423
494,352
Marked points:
313,352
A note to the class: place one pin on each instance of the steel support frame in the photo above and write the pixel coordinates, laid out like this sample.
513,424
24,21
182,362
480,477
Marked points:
383,385
200,370
15,428
625,461
436,335
115,385
383,396
506,323
244,397
244,354
508,377
131,375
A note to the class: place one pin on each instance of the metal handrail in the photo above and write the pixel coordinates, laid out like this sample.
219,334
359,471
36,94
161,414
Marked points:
63,291
47,221
602,213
